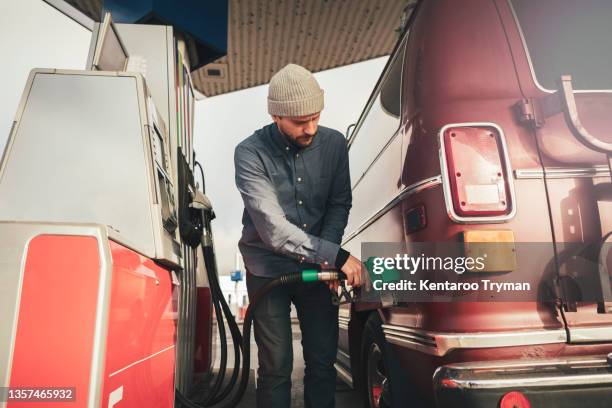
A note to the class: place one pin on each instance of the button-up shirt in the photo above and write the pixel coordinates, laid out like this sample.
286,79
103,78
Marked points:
296,200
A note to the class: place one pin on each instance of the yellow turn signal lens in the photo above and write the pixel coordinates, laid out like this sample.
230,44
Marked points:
495,246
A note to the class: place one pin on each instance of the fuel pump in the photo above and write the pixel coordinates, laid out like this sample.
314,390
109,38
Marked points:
109,262
100,292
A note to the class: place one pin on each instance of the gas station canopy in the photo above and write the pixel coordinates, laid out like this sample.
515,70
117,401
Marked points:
265,35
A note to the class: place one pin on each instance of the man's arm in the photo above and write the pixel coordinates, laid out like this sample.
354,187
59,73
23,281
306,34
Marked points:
339,201
275,230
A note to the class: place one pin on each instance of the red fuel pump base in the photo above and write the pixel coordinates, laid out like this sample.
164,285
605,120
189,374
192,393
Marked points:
95,317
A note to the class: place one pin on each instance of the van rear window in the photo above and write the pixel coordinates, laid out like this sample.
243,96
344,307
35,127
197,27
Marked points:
568,37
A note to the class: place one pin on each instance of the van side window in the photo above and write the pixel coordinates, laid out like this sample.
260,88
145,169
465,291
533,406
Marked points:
390,93
381,120
568,37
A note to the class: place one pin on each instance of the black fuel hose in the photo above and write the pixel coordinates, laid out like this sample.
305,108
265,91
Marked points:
215,393
218,382
218,394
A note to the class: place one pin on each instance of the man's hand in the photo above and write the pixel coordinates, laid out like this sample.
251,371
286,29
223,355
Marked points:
352,270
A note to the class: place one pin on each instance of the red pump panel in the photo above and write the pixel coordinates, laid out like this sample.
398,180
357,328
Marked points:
56,326
140,358
57,315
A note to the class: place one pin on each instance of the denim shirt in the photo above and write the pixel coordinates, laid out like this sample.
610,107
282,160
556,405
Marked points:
296,200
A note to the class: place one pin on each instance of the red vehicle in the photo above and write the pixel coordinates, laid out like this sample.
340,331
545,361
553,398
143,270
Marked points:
525,88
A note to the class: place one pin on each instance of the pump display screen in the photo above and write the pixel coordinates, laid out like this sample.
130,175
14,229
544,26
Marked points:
159,149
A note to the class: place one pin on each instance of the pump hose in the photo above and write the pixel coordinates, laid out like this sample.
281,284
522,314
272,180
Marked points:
246,331
234,330
215,394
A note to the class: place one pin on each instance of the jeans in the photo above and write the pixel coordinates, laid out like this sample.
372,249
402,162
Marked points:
318,319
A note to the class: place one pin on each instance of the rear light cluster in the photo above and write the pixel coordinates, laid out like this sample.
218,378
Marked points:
478,179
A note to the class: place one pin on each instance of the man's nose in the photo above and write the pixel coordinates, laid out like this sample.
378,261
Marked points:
310,128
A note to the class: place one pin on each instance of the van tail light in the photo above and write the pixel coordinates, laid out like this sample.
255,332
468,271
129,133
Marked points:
514,399
478,174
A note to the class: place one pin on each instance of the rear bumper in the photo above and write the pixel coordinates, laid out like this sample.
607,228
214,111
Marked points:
565,382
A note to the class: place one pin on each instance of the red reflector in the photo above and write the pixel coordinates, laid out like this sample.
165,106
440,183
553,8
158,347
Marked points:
477,171
448,383
514,399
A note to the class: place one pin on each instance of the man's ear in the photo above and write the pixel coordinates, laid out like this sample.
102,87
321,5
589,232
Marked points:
275,118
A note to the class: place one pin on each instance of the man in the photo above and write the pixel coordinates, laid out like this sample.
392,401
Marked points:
293,176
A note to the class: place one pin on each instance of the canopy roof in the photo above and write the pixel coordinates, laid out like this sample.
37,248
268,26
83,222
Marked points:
265,35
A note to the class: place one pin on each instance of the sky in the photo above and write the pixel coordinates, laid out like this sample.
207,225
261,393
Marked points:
34,35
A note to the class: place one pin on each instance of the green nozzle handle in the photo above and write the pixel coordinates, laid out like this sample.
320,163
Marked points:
310,275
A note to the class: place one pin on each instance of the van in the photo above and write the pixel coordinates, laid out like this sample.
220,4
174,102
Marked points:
522,87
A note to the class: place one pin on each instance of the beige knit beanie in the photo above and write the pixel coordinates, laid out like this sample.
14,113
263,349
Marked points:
294,91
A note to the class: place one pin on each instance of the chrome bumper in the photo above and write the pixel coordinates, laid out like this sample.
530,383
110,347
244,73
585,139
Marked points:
566,380
573,371
439,343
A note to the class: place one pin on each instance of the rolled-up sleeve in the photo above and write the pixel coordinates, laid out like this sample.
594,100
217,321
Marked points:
262,204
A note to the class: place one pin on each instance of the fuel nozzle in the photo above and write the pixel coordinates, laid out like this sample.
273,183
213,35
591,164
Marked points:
313,275
199,200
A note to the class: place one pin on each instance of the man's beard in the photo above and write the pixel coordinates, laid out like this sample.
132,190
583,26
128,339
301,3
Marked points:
297,141
303,141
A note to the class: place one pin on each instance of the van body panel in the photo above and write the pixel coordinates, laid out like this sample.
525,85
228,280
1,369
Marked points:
465,63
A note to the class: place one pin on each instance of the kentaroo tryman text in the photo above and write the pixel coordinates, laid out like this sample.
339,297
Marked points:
427,285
